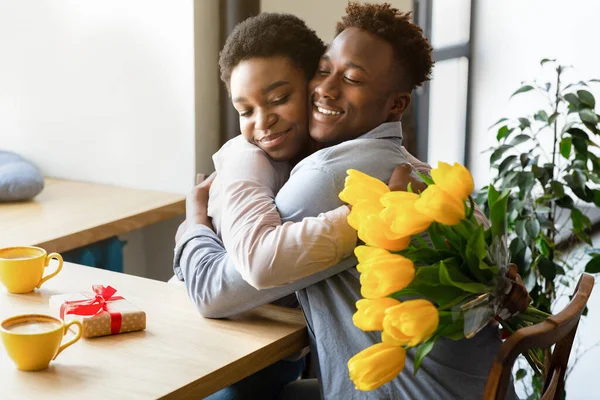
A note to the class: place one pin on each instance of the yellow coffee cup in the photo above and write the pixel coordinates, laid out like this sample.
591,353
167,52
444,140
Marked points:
33,340
22,267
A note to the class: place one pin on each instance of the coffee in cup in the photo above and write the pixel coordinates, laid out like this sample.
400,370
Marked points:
33,340
22,267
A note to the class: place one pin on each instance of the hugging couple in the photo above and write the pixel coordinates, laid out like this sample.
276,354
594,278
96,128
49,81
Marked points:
271,224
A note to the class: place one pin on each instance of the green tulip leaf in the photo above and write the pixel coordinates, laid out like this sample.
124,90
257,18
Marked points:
475,252
452,276
422,351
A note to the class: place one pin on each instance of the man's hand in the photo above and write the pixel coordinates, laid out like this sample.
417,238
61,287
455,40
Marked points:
401,177
196,204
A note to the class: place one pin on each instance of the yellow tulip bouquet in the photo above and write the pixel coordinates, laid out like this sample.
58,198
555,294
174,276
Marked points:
428,269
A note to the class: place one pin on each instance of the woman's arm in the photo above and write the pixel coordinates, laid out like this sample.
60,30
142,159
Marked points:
213,283
266,252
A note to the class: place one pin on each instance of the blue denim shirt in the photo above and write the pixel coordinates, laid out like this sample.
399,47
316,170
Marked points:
453,370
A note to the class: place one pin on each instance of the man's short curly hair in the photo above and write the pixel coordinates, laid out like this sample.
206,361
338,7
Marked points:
270,35
410,45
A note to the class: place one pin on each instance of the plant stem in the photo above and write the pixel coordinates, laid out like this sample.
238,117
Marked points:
552,205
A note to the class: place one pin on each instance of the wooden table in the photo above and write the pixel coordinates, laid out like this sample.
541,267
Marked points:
69,214
179,355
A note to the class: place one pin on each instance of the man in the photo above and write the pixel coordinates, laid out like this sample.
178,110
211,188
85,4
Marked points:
363,85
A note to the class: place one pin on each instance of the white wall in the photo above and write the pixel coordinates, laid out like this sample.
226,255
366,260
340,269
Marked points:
320,15
511,38
104,91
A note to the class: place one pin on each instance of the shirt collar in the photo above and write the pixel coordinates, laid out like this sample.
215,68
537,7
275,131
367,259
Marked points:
385,130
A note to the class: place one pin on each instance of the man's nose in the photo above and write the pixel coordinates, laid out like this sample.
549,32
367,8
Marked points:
264,120
329,87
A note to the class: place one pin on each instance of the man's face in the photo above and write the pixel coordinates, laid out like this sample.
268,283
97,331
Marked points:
354,88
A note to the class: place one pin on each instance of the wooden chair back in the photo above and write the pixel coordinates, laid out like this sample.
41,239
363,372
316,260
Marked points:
557,330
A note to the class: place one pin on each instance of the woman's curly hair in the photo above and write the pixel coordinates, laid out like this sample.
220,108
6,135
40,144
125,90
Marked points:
410,45
270,35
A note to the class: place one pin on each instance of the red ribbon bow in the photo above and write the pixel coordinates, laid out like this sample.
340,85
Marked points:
95,305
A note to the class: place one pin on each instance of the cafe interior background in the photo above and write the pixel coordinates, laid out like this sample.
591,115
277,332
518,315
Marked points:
127,93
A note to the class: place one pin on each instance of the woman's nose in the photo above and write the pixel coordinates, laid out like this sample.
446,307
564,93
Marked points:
264,120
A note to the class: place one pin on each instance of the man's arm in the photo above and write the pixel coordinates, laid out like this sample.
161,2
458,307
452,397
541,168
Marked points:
213,283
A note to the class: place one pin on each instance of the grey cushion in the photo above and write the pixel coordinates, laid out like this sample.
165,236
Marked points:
19,179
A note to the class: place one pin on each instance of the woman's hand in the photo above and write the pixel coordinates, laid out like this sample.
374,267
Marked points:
196,204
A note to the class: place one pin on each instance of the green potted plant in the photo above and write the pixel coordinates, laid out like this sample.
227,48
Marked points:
549,160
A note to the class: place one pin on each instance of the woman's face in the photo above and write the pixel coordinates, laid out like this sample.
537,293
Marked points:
270,95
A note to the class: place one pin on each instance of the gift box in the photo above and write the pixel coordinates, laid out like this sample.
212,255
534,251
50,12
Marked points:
100,311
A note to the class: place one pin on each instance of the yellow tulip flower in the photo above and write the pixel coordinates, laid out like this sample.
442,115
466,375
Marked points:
364,253
438,205
376,233
361,211
401,214
384,276
376,365
370,313
380,258
455,179
360,187
410,322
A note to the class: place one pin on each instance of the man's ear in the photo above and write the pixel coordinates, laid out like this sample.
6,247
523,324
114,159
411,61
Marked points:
401,101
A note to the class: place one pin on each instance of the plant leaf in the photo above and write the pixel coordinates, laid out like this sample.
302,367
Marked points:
497,154
521,374
572,99
475,253
507,162
586,98
497,122
524,123
565,147
498,214
519,139
425,178
526,181
547,268
541,116
422,351
593,266
532,226
522,89
503,132
452,276
588,116
493,195
557,188
545,60
578,133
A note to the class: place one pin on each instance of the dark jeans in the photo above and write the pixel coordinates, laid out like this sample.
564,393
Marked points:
265,384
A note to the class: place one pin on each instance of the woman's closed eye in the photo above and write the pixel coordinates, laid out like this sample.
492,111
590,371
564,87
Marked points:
245,113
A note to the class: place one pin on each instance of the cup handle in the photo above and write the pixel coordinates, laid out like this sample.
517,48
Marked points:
49,257
70,342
